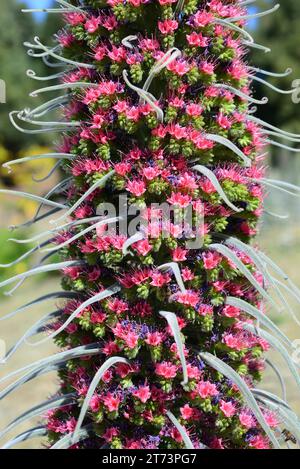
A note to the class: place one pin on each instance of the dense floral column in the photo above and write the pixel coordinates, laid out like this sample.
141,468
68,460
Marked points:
158,108
204,91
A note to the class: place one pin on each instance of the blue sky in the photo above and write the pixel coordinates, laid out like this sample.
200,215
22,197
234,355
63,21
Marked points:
38,4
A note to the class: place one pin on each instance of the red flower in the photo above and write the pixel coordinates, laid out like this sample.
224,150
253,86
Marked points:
167,26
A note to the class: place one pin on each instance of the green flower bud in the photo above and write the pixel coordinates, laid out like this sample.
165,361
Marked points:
143,291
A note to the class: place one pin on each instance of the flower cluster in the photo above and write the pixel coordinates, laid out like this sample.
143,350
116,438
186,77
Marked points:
193,111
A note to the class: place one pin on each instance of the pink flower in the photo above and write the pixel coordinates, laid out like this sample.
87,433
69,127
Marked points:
110,434
195,39
56,426
83,212
122,168
245,228
71,424
107,376
264,345
98,317
91,96
154,338
108,88
227,408
100,53
237,71
194,109
133,113
206,310
219,285
211,260
110,23
200,141
179,254
131,444
167,26
271,419
98,120
179,67
137,188
230,311
212,92
259,442
166,369
223,121
92,24
110,348
111,402
75,19
176,435
135,154
135,3
187,412
187,182
121,106
66,40
118,306
72,272
187,274
202,18
217,443
131,340
166,2
176,102
159,280
160,131
207,67
143,247
151,173
207,389
122,370
149,44
207,187
193,371
142,393
182,200
177,131
174,230
95,403
188,298
247,419
236,342
72,328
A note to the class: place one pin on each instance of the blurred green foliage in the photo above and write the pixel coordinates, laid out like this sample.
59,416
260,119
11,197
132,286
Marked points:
279,31
16,28
11,252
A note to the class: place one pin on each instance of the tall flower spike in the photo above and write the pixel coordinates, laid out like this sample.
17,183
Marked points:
163,339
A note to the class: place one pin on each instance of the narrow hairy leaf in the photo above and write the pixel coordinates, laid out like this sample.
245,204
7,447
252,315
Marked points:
227,371
97,378
172,320
182,431
38,410
35,432
276,344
